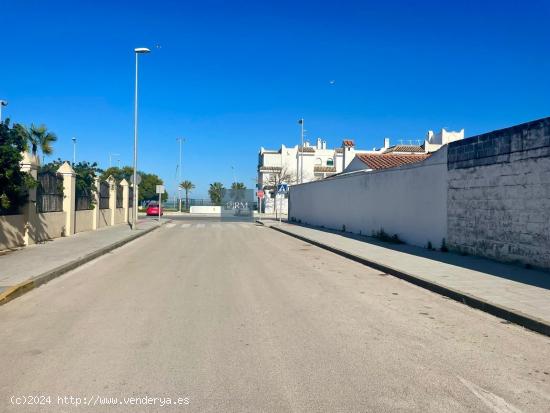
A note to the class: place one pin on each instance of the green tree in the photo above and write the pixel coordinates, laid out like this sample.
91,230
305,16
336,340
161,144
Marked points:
238,185
37,138
148,187
126,172
216,193
14,184
187,186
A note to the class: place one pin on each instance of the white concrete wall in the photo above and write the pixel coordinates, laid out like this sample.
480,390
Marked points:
119,216
12,230
200,209
409,201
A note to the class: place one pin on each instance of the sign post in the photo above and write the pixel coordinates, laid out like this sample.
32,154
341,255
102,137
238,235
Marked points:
160,191
260,194
282,189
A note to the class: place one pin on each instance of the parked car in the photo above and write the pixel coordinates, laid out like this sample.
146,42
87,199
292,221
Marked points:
153,209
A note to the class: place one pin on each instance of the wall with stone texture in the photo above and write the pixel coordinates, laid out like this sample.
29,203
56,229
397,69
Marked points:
499,194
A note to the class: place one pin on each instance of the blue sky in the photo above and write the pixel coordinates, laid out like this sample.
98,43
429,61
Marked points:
233,76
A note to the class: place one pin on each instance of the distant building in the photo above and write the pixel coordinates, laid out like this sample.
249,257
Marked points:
319,162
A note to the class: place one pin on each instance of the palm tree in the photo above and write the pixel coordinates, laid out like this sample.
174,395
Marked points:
238,185
188,186
38,138
216,193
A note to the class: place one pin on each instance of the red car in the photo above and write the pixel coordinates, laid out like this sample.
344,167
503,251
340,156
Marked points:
153,209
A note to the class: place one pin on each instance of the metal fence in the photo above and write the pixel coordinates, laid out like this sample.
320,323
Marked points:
49,193
119,195
103,195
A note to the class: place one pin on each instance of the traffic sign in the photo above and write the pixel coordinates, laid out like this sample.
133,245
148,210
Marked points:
160,189
138,179
282,188
260,193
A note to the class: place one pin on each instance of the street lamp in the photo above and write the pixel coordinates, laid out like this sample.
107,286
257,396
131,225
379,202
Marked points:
301,123
74,150
137,52
2,103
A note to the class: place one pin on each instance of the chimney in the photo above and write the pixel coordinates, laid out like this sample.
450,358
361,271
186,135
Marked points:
348,147
319,144
386,143
324,145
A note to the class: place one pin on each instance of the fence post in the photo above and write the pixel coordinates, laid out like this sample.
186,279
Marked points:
95,216
29,164
125,200
112,198
69,197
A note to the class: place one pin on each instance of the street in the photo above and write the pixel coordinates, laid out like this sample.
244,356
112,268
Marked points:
233,316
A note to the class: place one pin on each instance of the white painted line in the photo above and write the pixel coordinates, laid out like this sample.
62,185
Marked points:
185,225
200,225
170,225
491,400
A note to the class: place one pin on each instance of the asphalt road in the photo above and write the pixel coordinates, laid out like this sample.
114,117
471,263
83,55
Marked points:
233,317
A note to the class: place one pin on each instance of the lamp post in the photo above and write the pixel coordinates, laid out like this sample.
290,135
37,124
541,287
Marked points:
2,104
137,52
301,123
74,150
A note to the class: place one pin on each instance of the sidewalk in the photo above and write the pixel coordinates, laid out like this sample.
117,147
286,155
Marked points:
508,291
27,268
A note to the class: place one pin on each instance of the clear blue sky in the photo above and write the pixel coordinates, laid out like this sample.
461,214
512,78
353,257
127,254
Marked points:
233,76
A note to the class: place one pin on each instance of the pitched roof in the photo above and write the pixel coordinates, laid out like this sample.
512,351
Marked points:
384,161
348,142
324,169
306,149
270,168
405,148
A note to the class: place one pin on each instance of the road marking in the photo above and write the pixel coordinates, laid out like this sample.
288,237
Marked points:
185,225
491,400
200,225
170,225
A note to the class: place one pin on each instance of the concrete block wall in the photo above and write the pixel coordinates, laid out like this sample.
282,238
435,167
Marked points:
499,194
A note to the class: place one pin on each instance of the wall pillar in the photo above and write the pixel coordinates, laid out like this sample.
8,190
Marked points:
112,198
95,216
69,197
30,164
125,199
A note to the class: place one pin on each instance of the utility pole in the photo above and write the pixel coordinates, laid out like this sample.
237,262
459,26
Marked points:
181,140
74,150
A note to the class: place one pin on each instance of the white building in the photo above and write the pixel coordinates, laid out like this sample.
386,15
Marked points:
319,162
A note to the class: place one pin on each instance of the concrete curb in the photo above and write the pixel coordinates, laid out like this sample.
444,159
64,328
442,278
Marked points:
514,316
26,286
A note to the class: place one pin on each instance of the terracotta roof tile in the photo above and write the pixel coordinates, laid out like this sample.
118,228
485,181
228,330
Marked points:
306,149
348,142
384,161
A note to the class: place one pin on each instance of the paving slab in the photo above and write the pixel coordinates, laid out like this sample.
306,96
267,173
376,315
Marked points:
511,288
32,262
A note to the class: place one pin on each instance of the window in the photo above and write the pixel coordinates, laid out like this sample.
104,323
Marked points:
330,162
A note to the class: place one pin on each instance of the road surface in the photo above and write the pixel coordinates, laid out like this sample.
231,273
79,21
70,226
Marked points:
231,317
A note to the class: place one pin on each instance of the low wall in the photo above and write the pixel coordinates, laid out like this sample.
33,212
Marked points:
48,225
104,218
84,220
199,209
410,201
499,194
119,215
13,230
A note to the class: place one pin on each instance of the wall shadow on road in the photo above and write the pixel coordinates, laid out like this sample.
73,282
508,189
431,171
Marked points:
510,271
